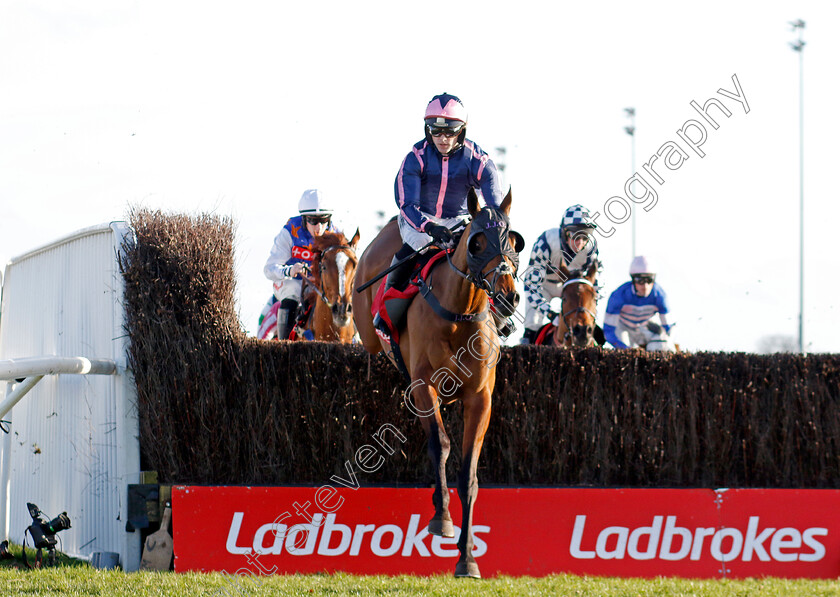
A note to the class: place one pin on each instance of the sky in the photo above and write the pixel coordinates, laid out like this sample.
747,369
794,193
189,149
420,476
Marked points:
235,108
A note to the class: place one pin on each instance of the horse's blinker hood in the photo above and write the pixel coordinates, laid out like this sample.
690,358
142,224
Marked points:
495,226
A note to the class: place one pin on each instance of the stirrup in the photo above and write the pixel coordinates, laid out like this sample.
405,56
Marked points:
380,325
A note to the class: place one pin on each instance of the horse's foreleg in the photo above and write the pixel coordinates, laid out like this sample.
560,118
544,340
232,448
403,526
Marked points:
438,449
441,524
476,420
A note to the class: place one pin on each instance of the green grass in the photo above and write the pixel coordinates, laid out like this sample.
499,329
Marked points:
61,559
84,580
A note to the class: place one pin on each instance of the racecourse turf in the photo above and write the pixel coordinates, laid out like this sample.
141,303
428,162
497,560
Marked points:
84,580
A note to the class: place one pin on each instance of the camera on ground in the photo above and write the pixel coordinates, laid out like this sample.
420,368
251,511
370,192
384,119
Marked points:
43,532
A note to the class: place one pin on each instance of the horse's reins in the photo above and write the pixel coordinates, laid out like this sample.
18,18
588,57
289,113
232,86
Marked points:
478,279
585,282
426,291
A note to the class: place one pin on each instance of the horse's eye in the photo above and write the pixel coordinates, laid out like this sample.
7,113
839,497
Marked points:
476,244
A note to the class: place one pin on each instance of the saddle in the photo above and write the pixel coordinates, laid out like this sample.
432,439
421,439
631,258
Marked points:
381,302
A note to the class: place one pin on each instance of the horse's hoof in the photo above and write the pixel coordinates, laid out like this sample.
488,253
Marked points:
442,528
467,570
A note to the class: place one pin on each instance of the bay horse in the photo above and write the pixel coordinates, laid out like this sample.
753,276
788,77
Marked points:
578,306
333,278
450,347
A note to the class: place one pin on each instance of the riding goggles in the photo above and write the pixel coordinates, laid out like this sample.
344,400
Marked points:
437,131
314,220
643,279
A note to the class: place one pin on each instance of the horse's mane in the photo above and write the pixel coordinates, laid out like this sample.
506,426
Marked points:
328,239
581,272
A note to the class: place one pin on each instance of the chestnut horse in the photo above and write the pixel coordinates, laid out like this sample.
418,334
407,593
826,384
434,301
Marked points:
578,305
450,347
333,277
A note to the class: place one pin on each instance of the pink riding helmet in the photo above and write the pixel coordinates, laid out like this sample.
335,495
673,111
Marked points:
446,111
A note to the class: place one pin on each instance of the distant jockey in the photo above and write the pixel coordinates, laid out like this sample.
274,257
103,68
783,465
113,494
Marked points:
289,262
571,246
629,319
431,190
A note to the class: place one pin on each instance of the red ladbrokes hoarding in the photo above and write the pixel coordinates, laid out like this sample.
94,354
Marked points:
696,533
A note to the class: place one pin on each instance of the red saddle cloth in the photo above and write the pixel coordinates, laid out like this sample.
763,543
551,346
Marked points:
422,270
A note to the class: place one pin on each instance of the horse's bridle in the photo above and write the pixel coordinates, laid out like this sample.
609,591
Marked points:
480,280
566,314
497,245
322,268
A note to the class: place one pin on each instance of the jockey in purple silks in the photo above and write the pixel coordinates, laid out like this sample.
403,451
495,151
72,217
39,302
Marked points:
432,186
290,257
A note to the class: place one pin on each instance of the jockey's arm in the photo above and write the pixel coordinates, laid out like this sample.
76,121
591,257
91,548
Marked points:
611,320
489,182
663,319
407,192
664,311
275,268
609,335
534,276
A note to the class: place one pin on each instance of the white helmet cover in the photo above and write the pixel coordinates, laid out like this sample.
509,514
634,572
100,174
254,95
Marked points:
641,265
312,204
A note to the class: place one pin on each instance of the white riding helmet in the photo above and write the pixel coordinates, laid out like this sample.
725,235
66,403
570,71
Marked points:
312,204
641,265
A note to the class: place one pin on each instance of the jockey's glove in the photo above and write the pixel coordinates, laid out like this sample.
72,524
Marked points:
655,327
442,235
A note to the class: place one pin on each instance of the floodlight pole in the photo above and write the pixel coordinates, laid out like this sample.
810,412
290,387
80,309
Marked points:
797,46
631,130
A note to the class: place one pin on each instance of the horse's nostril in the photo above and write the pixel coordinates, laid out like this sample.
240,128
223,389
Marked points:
350,308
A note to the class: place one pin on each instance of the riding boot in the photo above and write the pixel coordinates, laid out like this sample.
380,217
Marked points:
398,278
286,317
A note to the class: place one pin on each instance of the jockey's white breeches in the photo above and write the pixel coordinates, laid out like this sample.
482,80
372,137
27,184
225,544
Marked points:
644,338
287,288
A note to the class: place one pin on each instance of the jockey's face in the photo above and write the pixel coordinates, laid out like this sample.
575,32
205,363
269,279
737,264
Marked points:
577,240
445,144
317,225
642,285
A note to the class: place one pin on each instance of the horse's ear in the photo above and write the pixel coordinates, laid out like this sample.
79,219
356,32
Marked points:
355,240
472,202
505,206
